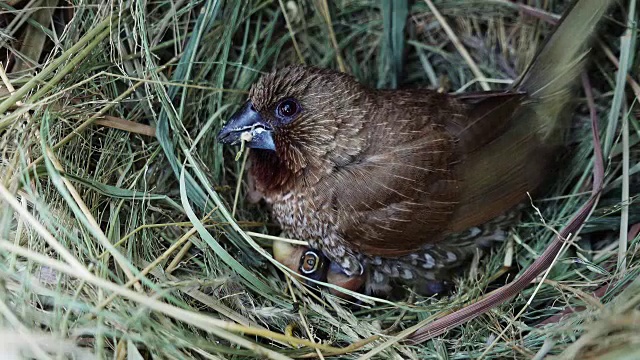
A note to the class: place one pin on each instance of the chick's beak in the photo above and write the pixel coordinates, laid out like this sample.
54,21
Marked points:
304,261
247,124
293,257
336,276
288,255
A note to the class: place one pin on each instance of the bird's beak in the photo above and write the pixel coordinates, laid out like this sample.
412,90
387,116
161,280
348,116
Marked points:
248,125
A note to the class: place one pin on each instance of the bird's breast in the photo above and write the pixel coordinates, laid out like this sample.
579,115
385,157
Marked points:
303,216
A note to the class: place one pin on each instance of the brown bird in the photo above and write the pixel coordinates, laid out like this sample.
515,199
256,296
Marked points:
401,185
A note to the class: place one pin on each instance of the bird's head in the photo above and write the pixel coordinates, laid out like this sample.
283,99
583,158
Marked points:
310,263
298,119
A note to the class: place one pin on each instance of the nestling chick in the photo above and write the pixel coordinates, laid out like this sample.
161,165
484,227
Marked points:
400,184
313,264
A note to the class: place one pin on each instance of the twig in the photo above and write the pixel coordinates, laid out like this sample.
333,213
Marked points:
239,182
291,33
126,125
458,44
98,233
24,213
529,301
80,128
276,238
302,317
332,35
91,39
625,43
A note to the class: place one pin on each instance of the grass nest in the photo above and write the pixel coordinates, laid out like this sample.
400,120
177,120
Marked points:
123,227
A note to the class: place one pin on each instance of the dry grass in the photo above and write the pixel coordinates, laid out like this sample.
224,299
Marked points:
116,231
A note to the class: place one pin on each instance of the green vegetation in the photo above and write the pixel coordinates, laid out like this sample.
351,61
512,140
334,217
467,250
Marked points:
123,225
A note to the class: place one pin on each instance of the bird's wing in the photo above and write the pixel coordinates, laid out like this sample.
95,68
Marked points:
502,155
401,192
405,192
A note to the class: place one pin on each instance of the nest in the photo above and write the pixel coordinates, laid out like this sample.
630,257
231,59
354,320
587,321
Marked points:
124,229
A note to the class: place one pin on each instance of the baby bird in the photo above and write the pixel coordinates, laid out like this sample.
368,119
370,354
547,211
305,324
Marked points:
401,185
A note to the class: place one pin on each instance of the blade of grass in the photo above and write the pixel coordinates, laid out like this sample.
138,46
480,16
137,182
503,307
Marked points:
394,17
77,204
291,32
99,31
458,44
33,38
626,59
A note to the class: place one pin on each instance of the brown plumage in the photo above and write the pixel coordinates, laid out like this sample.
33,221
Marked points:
398,183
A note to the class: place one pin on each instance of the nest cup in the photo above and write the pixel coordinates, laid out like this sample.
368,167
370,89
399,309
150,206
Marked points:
126,230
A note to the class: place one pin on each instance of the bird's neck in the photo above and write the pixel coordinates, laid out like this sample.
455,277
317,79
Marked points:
269,172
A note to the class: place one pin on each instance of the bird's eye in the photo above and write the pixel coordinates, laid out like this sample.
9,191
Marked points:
310,262
288,108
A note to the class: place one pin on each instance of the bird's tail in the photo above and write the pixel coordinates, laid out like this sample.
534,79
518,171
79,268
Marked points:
512,138
555,71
